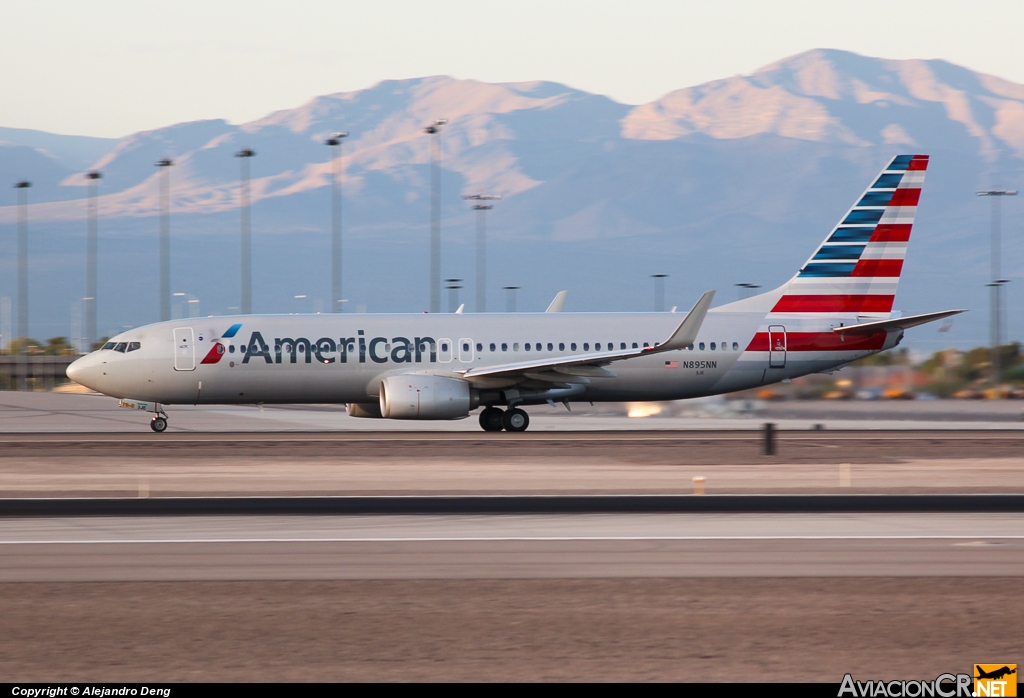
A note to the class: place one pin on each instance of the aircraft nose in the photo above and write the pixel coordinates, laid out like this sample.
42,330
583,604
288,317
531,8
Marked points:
84,371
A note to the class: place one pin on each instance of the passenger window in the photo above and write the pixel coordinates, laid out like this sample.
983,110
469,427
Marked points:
504,347
646,345
515,346
712,346
465,347
231,348
527,346
551,346
538,346
597,346
132,346
586,346
241,349
109,345
635,346
622,346
480,347
444,346
561,346
735,346
573,346
690,347
492,346
701,346
120,346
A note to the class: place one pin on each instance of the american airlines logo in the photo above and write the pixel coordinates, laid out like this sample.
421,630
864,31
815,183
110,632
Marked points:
328,350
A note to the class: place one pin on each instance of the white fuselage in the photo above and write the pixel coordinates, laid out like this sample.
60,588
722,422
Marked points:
344,358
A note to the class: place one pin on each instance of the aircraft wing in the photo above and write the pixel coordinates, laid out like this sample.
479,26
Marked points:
591,364
899,323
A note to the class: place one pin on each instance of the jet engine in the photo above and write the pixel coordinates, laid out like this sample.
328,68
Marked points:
417,396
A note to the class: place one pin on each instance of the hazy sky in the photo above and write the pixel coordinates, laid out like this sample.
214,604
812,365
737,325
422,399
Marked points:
112,67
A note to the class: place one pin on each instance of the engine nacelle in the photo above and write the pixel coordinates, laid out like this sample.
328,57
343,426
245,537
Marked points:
370,410
417,396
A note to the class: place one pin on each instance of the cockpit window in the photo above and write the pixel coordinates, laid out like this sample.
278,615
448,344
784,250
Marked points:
109,345
132,346
121,346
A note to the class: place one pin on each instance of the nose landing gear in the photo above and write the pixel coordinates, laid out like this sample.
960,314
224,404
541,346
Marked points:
159,422
495,419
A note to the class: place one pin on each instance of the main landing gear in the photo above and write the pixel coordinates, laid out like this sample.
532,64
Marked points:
496,419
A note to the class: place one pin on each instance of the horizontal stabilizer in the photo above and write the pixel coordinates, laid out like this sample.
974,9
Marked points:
899,323
557,303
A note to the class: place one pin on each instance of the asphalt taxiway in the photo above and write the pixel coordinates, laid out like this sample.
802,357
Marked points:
510,547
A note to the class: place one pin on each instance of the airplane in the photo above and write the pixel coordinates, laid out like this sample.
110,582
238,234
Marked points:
836,309
995,674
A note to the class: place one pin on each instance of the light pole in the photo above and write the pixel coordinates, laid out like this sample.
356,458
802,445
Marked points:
510,298
659,292
435,213
165,239
453,286
996,284
22,188
746,289
336,300
245,201
91,249
481,209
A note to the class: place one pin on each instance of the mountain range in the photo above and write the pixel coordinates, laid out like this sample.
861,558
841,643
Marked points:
733,181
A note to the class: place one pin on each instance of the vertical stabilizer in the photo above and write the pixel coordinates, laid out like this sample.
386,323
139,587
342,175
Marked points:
857,268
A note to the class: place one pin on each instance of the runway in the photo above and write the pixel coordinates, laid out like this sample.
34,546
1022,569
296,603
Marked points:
510,547
22,412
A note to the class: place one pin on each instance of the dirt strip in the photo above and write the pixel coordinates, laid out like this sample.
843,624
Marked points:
498,630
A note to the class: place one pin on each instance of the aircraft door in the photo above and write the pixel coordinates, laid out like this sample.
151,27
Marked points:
184,349
466,350
776,346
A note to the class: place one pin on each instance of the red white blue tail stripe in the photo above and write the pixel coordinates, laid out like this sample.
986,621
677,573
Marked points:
857,267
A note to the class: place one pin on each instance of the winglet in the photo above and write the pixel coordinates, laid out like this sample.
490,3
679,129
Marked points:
557,303
461,308
689,327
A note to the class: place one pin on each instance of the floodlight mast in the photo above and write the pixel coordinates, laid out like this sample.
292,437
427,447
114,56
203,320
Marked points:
91,253
434,130
165,239
510,298
481,209
23,187
245,203
337,303
659,292
996,283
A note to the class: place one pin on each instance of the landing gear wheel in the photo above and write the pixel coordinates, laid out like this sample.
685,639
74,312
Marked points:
159,425
490,419
515,420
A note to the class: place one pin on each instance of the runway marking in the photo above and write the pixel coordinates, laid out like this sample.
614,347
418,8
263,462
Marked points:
479,539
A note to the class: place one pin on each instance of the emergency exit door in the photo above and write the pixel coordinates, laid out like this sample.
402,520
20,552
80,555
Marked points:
184,349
